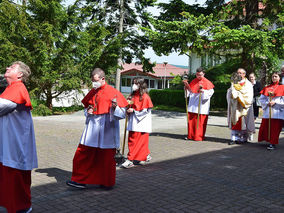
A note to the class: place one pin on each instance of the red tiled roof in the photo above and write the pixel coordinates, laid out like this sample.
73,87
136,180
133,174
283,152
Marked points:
159,70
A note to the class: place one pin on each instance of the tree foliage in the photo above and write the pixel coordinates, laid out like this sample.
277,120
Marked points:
251,30
54,42
122,19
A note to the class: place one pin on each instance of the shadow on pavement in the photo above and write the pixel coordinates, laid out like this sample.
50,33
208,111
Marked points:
235,179
167,114
167,135
58,174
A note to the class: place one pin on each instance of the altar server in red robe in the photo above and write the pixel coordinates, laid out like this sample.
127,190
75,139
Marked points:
94,161
17,141
139,125
199,91
272,101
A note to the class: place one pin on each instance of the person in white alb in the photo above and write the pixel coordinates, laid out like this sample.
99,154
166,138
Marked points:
272,101
199,93
17,143
139,125
94,161
240,111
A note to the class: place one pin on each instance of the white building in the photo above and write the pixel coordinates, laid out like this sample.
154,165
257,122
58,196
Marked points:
163,74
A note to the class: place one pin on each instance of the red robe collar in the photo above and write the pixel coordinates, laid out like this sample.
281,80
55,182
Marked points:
278,90
144,103
18,93
101,99
204,82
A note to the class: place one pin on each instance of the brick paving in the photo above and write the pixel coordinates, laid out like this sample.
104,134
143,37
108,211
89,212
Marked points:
184,176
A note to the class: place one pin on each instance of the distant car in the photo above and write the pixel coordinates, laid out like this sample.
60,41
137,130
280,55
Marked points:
3,83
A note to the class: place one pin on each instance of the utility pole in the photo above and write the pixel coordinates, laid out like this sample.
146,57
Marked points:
165,63
120,31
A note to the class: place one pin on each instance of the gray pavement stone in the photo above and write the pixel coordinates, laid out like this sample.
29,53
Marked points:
184,176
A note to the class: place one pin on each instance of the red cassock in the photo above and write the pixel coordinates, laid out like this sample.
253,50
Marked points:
95,165
194,133
275,124
15,187
138,142
15,184
92,165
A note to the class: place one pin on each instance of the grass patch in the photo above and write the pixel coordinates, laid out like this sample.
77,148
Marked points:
169,108
66,110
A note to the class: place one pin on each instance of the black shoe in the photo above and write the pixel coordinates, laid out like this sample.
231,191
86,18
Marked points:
106,187
231,142
75,184
271,147
28,210
241,142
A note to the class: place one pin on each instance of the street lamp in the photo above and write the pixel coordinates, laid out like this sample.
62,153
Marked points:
165,63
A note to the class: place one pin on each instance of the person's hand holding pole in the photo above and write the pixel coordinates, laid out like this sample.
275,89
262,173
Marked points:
199,103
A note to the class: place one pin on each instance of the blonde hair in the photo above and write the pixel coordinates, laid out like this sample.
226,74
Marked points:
23,68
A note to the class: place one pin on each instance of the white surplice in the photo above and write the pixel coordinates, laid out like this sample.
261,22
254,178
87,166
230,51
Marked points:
193,101
17,138
102,131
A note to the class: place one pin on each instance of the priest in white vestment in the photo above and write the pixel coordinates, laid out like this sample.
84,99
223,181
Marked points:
240,110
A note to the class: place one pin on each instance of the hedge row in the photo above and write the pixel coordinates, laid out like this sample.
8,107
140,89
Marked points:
177,98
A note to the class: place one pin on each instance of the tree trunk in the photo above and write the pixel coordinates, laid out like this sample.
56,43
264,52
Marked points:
252,10
120,30
248,62
48,101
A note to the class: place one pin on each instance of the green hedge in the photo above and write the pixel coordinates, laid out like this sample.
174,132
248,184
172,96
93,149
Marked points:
218,100
176,98
167,97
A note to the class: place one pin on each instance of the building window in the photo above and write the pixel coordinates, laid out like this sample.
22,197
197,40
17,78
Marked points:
126,82
152,84
147,82
203,61
160,84
210,61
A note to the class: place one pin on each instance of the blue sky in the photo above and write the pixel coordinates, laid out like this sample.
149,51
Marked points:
173,58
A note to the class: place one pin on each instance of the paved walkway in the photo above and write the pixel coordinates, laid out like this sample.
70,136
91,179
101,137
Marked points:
184,176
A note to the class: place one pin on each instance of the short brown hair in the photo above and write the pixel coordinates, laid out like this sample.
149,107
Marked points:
99,72
200,69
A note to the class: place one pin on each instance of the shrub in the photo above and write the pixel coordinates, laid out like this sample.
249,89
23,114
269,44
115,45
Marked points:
177,98
218,100
41,110
36,102
168,97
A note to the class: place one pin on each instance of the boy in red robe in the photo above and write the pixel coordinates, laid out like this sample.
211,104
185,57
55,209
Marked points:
199,91
94,161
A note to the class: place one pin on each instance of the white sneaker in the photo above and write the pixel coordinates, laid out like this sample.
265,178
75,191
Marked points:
148,158
127,164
